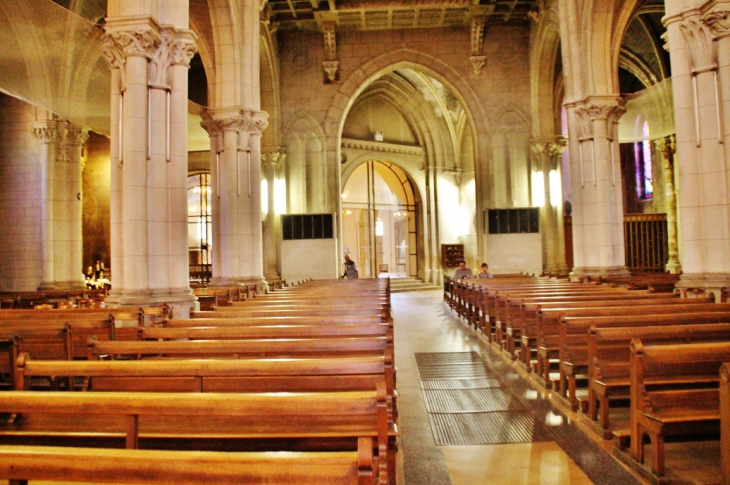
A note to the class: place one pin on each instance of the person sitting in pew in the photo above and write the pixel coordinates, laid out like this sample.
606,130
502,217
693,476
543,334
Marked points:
484,273
462,272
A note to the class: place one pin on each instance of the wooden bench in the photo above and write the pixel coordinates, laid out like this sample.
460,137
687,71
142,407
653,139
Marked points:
522,317
549,325
217,375
266,331
351,420
674,392
609,372
359,346
18,464
244,318
573,342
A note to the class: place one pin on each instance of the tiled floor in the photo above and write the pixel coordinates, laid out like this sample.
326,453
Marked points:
424,324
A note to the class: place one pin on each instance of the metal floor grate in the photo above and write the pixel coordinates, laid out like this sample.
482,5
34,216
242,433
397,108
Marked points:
486,428
468,404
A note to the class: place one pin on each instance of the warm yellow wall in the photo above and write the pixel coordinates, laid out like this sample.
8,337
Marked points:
96,193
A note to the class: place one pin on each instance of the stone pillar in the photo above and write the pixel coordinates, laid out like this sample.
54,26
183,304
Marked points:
271,166
667,146
236,185
598,240
700,83
149,230
47,133
547,151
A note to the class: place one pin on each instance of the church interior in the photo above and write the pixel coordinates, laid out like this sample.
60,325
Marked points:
175,157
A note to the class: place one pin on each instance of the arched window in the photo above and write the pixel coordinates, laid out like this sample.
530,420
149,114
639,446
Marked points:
642,155
199,227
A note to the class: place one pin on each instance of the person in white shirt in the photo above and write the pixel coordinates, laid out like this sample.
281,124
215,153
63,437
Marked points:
462,272
484,273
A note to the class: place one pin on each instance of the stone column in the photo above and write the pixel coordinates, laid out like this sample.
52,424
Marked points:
547,151
597,190
236,184
47,133
700,83
271,165
149,229
667,146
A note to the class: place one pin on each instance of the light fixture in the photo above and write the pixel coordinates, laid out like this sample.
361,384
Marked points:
555,190
538,189
379,227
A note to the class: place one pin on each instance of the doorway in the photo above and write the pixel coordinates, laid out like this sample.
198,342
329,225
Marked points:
379,220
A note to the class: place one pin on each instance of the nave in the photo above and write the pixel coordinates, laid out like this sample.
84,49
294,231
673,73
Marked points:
566,453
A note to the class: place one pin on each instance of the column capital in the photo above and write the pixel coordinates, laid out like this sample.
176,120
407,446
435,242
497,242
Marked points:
46,131
274,159
133,36
77,135
219,120
668,147
175,48
598,108
551,146
700,41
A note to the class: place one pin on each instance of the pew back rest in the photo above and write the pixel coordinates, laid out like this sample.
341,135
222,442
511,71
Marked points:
688,369
148,467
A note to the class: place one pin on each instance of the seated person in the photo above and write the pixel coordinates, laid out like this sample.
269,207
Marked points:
462,272
484,273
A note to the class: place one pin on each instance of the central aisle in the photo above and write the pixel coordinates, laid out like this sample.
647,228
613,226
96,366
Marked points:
559,453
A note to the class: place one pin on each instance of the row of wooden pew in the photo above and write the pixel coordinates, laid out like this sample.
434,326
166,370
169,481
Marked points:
643,366
318,384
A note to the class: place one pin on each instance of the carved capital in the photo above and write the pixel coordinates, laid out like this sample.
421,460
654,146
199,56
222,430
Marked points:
551,147
255,121
700,41
183,48
139,41
477,63
274,159
46,132
477,34
608,110
719,22
331,68
157,74
76,135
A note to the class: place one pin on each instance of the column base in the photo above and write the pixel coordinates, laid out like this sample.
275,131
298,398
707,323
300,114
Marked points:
181,300
673,267
704,284
595,271
70,285
560,269
257,282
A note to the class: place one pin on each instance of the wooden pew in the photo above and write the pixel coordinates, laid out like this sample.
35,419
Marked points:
549,325
360,346
522,316
182,418
574,335
674,392
265,331
244,318
609,350
18,464
725,422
